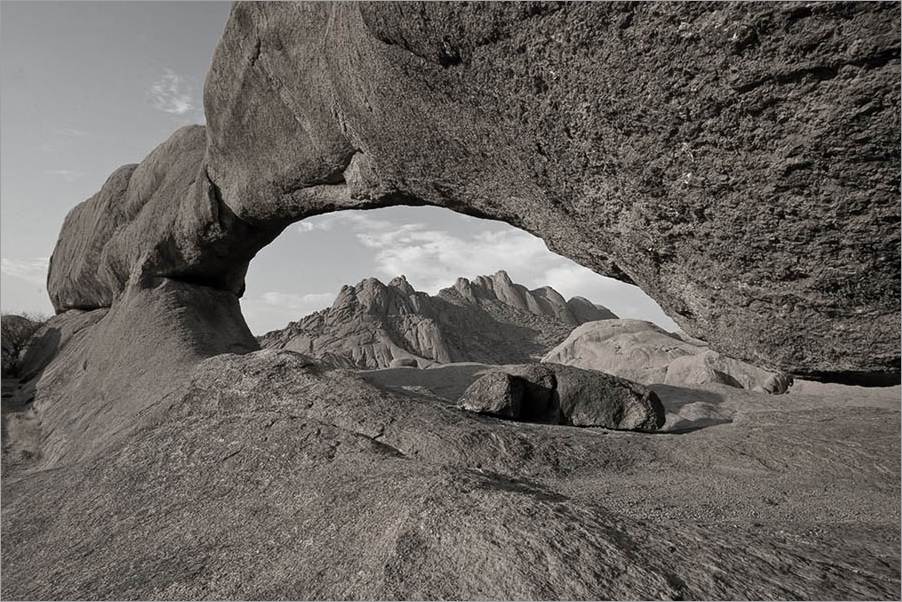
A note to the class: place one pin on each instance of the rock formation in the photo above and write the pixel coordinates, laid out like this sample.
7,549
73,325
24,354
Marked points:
739,163
642,352
557,394
490,320
268,478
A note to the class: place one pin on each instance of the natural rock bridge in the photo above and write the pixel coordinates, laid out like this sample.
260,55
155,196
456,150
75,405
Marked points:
739,162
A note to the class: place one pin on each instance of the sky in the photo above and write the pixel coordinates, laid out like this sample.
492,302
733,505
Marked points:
88,86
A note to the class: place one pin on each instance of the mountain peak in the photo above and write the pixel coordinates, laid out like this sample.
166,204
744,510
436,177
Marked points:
489,319
400,283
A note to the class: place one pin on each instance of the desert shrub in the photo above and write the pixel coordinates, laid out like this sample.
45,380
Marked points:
16,331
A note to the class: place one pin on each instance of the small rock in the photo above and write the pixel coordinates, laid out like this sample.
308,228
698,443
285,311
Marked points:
403,362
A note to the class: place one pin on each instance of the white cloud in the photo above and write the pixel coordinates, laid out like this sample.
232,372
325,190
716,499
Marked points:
292,301
432,259
70,132
274,309
354,221
69,175
32,270
173,93
60,139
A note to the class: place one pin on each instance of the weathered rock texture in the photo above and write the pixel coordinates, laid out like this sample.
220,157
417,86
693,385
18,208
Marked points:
557,394
738,161
490,320
640,351
267,478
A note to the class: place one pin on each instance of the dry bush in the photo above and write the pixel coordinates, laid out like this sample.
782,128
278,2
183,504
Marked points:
16,331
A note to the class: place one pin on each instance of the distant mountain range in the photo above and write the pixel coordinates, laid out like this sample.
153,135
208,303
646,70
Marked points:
489,319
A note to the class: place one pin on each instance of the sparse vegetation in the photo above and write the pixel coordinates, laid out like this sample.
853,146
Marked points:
16,331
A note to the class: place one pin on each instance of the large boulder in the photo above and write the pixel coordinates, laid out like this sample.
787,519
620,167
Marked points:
711,367
559,394
633,349
641,351
738,162
498,394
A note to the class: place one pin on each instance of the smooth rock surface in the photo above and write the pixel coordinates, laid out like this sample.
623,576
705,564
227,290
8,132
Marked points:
268,477
739,163
641,351
403,362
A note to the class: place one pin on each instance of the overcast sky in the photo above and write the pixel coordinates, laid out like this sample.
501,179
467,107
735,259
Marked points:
87,87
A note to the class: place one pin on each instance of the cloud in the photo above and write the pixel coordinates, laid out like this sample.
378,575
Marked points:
70,132
61,138
353,221
173,94
432,259
274,309
69,175
32,270
293,301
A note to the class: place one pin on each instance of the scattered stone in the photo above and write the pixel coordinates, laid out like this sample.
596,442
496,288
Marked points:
403,362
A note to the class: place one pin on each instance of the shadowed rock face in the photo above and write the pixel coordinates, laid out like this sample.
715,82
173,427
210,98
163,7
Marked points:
558,394
738,162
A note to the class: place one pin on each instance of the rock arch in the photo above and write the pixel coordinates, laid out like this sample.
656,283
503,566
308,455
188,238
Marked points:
738,162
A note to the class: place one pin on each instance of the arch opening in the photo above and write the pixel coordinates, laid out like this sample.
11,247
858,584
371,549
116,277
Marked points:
431,246
423,286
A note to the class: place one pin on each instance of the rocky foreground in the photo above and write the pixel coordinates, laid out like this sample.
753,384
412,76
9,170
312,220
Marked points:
268,477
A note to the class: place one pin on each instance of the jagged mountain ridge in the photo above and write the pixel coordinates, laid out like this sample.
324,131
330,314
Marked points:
490,319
